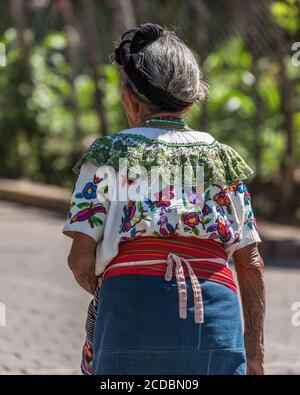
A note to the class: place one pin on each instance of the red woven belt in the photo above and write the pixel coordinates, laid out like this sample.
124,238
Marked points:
198,252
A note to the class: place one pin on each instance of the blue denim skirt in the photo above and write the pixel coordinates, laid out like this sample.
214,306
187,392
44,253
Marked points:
138,329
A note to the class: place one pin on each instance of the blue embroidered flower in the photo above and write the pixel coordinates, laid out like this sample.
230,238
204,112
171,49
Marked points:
89,191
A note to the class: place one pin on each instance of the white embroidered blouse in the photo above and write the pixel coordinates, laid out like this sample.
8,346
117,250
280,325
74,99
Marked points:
222,211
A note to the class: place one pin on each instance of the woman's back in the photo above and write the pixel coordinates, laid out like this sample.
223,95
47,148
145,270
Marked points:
219,210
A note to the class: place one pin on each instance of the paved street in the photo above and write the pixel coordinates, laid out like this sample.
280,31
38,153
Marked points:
45,310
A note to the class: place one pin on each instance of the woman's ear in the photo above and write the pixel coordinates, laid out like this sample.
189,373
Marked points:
131,100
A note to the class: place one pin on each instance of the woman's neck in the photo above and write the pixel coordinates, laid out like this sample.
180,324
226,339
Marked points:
165,121
166,115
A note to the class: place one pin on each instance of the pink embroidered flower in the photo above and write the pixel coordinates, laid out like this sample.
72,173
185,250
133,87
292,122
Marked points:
163,198
191,220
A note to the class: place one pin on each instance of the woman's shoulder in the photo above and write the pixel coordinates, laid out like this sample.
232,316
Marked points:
150,147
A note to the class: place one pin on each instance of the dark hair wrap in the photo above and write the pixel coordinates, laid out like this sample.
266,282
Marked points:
129,55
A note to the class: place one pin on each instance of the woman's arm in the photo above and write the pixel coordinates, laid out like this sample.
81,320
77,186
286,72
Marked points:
81,260
250,273
85,224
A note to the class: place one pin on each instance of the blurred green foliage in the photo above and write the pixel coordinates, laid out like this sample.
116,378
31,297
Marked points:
37,127
36,119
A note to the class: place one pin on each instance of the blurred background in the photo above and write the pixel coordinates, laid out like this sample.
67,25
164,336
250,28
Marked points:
59,91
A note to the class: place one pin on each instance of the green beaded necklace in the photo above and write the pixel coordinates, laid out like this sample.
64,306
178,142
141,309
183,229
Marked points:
164,122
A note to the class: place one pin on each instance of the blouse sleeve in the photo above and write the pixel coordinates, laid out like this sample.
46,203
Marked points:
249,233
89,204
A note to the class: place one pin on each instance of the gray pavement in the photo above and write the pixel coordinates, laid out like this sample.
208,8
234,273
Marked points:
45,309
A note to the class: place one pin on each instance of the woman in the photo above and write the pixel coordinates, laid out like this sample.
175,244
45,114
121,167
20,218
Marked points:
168,301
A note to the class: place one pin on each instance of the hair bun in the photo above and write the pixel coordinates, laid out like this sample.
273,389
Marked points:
134,40
144,35
130,55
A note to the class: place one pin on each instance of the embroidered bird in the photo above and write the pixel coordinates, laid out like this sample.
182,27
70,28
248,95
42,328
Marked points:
165,228
129,212
222,226
87,213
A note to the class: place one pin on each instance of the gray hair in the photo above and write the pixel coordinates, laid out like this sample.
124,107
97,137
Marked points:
173,68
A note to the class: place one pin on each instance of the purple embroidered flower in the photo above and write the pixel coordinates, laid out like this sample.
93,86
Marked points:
191,220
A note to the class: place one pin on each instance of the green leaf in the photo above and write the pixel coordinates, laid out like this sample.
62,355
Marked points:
83,205
196,231
229,209
140,206
207,195
96,221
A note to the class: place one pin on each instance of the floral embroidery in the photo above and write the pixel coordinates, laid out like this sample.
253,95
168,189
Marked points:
196,198
211,213
88,212
191,220
90,189
222,198
241,188
161,197
236,187
161,201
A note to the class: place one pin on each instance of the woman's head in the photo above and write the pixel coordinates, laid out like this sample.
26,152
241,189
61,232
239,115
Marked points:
159,73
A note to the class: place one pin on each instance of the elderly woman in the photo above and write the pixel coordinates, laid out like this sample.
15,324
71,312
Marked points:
165,299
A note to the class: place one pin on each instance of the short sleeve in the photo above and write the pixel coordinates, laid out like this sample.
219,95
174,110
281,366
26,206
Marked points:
89,204
249,233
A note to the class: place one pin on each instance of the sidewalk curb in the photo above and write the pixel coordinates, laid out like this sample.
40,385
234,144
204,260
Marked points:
34,194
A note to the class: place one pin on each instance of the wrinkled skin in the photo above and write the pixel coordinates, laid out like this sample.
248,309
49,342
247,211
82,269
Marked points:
81,261
250,273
